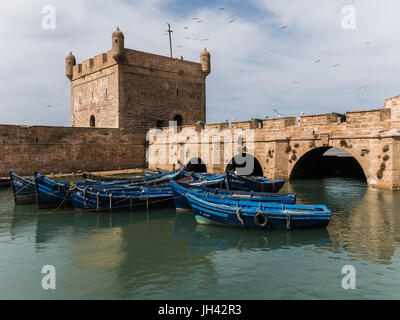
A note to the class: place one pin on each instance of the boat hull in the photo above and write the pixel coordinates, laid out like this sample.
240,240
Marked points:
215,213
52,194
92,201
235,182
219,195
23,189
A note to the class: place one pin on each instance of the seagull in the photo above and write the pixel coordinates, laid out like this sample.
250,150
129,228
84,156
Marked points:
278,114
336,65
199,21
298,119
185,27
48,106
284,27
363,87
367,42
221,8
195,18
317,61
233,20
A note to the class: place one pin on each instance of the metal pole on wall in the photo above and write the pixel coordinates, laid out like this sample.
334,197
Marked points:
170,39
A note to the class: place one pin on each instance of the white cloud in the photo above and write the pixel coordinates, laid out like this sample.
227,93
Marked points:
254,64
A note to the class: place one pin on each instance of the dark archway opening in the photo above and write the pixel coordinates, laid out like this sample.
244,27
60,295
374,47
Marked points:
179,120
196,165
245,165
327,162
92,121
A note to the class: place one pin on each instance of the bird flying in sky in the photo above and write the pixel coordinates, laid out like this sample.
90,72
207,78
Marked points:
317,61
278,113
232,21
284,27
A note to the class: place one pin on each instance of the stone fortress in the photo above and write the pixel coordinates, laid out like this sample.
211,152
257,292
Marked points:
116,97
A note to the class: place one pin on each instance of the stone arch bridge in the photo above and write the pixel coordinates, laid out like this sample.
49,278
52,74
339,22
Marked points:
285,147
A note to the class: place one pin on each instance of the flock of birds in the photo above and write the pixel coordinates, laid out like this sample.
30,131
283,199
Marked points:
199,20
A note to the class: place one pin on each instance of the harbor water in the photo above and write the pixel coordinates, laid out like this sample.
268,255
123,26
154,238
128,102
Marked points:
162,254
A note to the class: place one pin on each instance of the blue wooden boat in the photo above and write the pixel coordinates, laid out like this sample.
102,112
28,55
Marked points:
253,215
197,175
23,189
121,200
182,204
256,184
52,194
142,181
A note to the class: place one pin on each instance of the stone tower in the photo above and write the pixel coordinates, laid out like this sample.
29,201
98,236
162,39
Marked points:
135,90
118,45
69,63
205,61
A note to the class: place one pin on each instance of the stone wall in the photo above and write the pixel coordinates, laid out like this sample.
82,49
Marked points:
139,92
24,149
155,88
372,137
95,92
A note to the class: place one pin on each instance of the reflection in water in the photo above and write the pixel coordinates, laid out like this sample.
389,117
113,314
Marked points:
166,255
366,221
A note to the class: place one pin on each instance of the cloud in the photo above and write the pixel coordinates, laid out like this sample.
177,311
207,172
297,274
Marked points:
256,66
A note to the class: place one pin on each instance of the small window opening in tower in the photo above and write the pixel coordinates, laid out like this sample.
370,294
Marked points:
160,123
179,120
92,121
106,92
177,92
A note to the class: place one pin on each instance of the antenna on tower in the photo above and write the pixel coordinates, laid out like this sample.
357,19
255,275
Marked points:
170,39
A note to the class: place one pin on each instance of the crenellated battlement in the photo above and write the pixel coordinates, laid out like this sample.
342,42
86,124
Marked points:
92,65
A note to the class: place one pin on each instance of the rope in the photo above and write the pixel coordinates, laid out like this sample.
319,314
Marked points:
13,194
239,217
288,221
8,195
59,206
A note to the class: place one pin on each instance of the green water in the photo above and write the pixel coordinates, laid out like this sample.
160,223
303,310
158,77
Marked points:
165,255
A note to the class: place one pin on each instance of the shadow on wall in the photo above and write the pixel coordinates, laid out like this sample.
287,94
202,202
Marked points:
327,162
196,165
245,165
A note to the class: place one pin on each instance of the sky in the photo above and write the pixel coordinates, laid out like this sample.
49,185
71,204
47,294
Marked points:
268,57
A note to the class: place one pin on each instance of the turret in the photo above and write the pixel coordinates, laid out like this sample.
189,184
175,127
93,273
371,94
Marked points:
205,61
118,45
69,63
